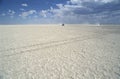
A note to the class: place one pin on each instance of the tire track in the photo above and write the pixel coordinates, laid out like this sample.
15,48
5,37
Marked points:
40,46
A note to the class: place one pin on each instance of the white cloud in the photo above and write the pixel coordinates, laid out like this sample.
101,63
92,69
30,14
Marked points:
11,12
60,6
24,5
43,13
95,1
3,14
74,11
27,13
106,1
76,1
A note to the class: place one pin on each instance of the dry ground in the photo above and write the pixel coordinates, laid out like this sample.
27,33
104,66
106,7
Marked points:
57,52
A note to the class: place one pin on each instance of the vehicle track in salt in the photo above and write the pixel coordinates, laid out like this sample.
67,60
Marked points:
63,63
40,46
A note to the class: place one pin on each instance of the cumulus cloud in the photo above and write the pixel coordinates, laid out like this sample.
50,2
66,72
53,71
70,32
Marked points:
85,11
91,1
44,13
24,5
3,14
27,13
11,13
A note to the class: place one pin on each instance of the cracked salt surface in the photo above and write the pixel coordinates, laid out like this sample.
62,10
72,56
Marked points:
70,52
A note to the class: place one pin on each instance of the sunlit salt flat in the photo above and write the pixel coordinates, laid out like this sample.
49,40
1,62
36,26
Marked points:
59,52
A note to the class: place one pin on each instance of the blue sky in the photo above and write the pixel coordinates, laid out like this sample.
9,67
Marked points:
59,11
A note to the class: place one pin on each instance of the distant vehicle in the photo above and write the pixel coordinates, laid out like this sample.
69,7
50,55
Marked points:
63,24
